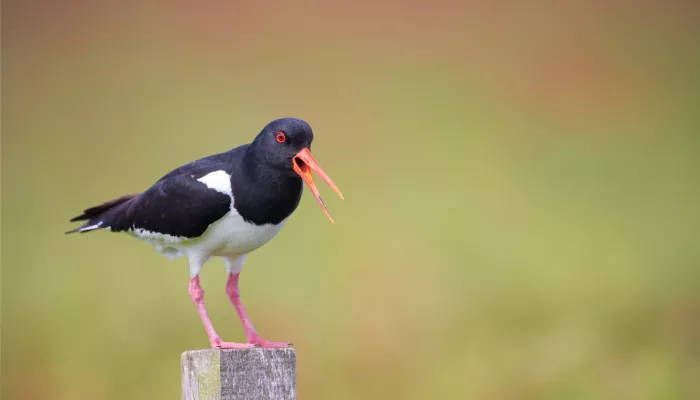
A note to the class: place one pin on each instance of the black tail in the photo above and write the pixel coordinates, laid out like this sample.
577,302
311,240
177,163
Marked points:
93,215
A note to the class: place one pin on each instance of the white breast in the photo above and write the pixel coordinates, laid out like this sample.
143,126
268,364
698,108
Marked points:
232,236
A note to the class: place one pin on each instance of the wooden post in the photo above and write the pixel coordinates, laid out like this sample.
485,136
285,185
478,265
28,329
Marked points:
213,374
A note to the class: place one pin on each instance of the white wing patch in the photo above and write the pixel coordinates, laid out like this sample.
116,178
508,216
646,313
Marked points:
219,181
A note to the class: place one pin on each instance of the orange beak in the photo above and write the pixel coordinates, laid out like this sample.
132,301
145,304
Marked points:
304,163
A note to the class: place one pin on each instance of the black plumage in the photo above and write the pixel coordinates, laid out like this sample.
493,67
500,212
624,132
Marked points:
264,188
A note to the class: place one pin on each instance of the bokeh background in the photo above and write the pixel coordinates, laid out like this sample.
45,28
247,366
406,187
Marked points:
522,181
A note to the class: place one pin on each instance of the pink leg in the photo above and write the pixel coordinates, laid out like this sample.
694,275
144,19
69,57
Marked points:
197,295
250,333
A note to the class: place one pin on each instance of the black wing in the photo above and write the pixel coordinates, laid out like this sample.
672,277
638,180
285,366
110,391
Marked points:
178,204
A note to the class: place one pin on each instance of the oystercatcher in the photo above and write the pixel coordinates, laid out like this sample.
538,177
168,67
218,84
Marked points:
225,205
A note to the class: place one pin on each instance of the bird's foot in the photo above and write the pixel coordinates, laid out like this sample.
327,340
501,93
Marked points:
220,344
260,342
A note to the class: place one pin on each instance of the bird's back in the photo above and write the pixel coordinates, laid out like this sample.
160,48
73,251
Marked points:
225,161
165,206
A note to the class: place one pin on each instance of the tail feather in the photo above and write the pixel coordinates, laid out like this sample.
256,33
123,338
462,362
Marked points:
86,228
94,215
97,210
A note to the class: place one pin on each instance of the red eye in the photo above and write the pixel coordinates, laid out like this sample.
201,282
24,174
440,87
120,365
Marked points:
281,137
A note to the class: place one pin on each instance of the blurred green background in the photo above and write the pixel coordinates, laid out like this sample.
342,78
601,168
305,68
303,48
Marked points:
522,181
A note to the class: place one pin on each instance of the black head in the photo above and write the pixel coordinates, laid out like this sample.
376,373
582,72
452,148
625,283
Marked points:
281,140
285,145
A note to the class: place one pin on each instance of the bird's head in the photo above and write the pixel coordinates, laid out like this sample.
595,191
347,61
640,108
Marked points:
285,144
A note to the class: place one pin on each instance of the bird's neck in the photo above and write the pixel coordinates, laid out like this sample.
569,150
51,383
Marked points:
264,194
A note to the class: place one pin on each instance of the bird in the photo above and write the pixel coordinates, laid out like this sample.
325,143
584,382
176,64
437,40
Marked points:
225,205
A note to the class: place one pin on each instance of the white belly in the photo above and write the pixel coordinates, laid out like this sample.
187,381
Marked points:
231,236
227,237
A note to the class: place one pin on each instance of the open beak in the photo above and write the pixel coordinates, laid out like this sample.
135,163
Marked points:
304,163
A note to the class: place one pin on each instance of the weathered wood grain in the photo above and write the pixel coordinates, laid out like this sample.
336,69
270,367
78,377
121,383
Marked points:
268,374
